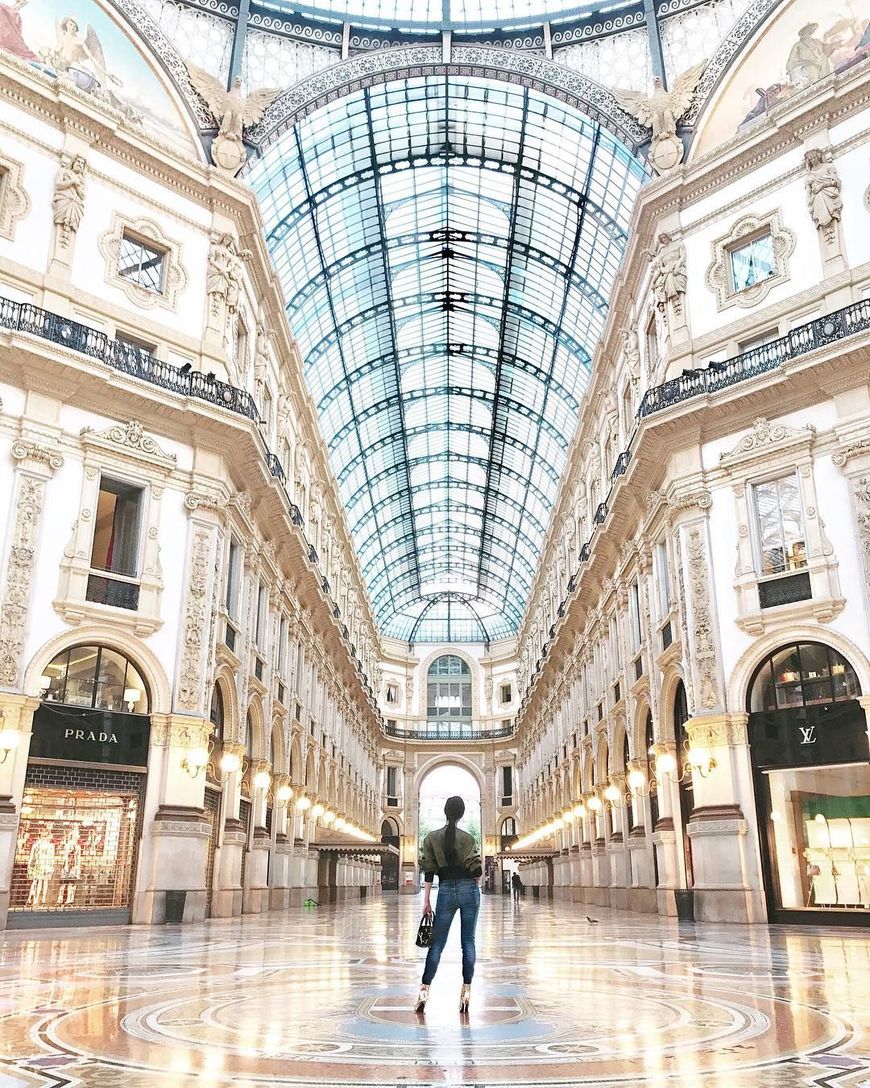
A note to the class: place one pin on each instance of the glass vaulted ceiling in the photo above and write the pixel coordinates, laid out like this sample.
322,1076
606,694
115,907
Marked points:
447,246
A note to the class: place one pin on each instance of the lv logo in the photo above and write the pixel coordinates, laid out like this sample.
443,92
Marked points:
808,734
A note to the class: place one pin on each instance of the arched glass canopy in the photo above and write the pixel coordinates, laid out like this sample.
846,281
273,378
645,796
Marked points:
446,14
447,246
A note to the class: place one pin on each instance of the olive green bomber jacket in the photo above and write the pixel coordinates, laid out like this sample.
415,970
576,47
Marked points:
434,856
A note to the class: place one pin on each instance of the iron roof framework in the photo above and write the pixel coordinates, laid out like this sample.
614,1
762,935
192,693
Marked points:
447,245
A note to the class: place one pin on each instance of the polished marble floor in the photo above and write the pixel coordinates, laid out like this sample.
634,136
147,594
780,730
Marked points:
324,997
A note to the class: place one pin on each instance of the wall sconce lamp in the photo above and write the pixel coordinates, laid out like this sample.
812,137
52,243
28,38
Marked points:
329,818
9,740
317,811
701,760
195,762
262,781
229,764
44,684
613,795
579,810
594,804
303,804
283,795
636,780
132,697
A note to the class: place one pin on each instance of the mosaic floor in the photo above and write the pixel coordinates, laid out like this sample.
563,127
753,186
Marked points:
325,997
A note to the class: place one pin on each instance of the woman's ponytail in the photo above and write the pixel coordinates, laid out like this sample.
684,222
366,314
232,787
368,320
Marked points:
454,810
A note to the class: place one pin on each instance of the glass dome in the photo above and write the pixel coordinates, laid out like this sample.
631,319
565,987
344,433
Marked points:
443,14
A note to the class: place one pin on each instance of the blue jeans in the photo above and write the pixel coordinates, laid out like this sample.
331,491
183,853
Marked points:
453,895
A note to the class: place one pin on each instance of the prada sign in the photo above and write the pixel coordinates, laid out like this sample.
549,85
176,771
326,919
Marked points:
834,732
90,736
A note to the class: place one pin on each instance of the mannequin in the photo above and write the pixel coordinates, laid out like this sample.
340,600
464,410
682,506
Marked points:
71,867
40,868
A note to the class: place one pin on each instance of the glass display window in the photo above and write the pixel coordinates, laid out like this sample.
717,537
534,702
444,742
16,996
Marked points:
96,677
803,675
75,850
819,829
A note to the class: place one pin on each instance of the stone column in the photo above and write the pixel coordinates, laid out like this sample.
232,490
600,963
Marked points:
727,868
16,715
227,894
255,894
664,837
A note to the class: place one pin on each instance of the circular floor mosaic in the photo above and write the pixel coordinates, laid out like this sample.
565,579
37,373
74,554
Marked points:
293,999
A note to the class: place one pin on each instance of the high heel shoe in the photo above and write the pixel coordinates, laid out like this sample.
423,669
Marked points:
464,997
422,998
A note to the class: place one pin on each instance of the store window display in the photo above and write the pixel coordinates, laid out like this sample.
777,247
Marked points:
75,850
810,750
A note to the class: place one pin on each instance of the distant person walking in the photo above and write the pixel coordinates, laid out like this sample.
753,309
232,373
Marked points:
453,855
517,885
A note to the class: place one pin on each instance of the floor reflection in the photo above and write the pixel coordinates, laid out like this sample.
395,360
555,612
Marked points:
327,998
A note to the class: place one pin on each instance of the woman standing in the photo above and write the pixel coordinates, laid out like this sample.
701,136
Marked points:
453,855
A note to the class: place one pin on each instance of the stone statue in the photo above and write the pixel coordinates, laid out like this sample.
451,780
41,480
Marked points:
632,354
223,282
668,272
261,354
660,111
68,202
234,111
285,414
823,187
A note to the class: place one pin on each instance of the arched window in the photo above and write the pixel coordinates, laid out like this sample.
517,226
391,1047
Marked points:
449,689
806,674
216,715
96,677
508,827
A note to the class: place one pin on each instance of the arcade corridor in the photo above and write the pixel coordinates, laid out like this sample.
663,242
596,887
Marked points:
324,997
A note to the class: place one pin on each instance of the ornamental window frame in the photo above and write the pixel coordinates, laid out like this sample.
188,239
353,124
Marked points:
14,201
749,228
147,232
126,454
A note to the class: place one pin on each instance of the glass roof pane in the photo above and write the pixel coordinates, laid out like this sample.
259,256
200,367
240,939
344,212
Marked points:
447,245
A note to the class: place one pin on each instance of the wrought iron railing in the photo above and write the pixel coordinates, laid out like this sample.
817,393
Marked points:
760,360
449,730
124,356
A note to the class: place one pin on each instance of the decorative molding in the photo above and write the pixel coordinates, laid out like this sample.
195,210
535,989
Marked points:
207,500
718,276
131,439
174,274
702,620
191,674
763,437
858,448
24,451
20,567
14,201
365,70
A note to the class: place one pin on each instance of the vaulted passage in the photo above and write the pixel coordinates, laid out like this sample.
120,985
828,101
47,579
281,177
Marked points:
447,246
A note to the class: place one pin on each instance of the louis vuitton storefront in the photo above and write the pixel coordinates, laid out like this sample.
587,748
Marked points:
81,813
808,735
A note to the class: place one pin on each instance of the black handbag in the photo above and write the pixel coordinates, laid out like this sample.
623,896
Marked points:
424,931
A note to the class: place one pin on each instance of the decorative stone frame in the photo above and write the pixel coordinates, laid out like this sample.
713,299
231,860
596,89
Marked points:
767,451
125,451
174,274
718,275
14,201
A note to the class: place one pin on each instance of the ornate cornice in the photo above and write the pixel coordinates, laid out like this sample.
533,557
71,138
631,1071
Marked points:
129,439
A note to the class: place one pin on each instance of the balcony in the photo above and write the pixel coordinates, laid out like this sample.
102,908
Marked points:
447,729
761,360
124,357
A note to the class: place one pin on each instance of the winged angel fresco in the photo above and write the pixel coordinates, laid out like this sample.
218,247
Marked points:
234,111
660,112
